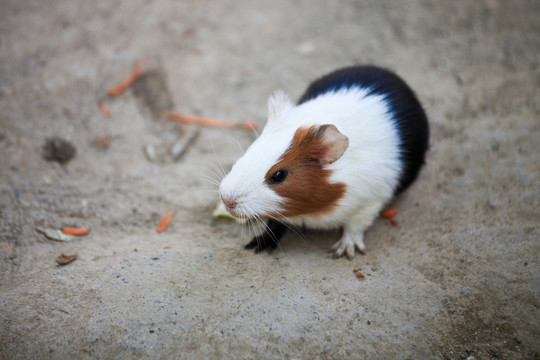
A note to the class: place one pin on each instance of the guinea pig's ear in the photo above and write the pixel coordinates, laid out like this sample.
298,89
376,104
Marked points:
278,104
332,141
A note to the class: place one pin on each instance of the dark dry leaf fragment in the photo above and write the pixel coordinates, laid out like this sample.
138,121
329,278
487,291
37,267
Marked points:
152,93
65,259
59,150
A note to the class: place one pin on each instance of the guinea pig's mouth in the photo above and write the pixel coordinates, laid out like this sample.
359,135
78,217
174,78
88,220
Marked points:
240,215
231,206
238,210
237,215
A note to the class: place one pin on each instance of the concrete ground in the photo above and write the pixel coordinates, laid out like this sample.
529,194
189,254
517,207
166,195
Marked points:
458,278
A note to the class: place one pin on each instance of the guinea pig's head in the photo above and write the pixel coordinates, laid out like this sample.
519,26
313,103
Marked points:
285,173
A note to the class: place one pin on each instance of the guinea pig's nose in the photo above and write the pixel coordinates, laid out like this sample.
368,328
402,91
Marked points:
229,204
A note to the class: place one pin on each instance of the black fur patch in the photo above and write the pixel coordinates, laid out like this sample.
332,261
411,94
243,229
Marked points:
268,240
407,113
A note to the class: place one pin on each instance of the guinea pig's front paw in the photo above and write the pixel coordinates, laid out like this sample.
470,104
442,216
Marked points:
347,243
262,242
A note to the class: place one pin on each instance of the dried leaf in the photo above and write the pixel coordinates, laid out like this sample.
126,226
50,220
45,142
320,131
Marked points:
65,259
55,234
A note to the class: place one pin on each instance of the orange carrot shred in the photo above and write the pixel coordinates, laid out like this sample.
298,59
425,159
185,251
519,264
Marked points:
394,221
389,213
104,109
165,222
120,88
75,231
206,121
358,273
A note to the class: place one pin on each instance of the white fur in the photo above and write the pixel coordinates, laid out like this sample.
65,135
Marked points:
370,166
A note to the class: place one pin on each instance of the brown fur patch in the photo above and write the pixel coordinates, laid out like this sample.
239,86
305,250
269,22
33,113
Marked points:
307,187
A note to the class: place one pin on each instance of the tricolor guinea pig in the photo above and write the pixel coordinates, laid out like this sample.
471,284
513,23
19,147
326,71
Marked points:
357,138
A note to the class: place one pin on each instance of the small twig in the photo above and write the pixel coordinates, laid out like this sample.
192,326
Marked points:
179,148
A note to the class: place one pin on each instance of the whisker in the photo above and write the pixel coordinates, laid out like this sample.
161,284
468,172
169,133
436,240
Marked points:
221,170
210,180
253,224
212,177
294,229
270,233
256,132
216,173
242,149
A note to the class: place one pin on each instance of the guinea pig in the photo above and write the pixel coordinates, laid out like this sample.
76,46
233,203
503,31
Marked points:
357,137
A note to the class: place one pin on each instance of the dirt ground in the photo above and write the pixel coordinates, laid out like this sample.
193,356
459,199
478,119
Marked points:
458,278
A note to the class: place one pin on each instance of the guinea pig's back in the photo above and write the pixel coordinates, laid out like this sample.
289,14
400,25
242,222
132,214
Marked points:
408,117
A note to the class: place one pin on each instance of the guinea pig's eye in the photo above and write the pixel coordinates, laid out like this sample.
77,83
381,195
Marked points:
278,177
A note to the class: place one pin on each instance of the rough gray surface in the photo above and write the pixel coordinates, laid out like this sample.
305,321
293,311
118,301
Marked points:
459,277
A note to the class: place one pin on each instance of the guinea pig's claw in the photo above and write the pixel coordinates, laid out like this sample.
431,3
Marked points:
347,245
